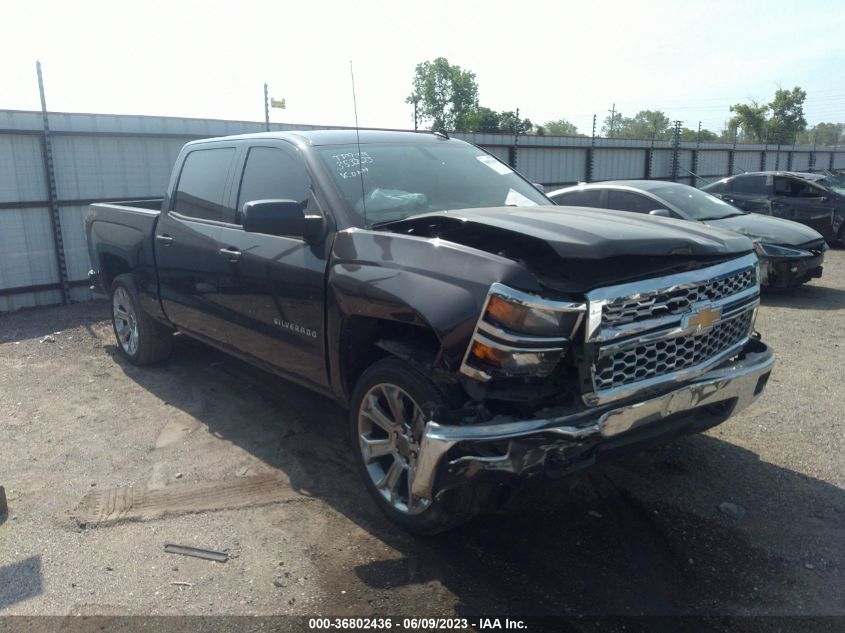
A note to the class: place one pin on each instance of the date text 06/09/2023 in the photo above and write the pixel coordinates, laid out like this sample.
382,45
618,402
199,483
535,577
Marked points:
414,624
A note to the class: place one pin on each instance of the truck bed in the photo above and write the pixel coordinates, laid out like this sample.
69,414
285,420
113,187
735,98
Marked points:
121,234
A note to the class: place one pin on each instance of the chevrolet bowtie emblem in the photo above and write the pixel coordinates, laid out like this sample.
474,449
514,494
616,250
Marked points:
702,320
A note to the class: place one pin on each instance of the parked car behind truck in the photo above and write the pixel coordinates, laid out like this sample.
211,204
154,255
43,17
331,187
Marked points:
801,197
479,336
790,253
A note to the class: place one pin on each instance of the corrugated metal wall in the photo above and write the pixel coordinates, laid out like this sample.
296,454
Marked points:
112,157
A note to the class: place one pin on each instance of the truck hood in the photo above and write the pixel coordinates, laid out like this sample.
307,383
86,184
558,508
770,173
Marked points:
575,249
583,233
768,229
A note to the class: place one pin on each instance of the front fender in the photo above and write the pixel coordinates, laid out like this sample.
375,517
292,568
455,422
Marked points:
430,283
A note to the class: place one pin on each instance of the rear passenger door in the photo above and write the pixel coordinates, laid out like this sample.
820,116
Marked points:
749,193
187,242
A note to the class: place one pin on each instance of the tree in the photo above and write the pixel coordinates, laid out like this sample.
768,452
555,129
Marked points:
645,124
824,134
752,119
694,135
561,127
787,119
783,126
610,126
507,123
482,120
445,95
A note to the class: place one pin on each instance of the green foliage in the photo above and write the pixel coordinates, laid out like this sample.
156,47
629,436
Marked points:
783,126
611,124
507,123
751,119
482,120
561,127
829,134
446,96
645,124
694,135
787,119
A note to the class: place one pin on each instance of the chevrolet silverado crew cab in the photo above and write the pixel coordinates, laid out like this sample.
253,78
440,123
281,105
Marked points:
480,336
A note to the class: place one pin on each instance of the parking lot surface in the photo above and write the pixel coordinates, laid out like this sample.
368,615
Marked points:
104,463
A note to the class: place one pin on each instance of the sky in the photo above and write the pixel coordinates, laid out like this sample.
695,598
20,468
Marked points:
551,59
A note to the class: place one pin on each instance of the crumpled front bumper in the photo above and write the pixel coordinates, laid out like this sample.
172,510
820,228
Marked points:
451,455
786,272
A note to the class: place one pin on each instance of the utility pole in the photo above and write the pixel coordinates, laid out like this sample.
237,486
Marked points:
676,144
266,108
52,194
516,139
591,154
813,153
612,119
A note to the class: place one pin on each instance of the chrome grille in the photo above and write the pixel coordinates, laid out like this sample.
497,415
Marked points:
652,305
666,356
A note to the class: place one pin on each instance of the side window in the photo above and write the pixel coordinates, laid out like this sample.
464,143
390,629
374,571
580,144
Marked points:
273,174
628,201
749,184
199,193
796,188
583,198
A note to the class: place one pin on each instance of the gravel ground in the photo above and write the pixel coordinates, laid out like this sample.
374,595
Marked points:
103,463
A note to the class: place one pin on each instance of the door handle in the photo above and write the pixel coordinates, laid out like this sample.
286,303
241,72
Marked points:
166,240
232,254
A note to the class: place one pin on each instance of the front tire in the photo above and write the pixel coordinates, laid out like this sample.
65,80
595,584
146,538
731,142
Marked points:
386,425
140,339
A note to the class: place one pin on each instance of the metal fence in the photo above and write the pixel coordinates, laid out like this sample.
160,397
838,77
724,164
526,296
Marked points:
50,173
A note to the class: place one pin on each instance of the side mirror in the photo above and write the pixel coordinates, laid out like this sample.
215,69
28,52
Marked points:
539,187
280,217
663,213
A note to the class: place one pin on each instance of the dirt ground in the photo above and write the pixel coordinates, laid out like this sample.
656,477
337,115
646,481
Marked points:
104,463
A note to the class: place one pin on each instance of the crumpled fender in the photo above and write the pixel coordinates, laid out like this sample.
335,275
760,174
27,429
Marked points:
430,283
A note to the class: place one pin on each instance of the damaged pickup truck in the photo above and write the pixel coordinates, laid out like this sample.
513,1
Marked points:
480,336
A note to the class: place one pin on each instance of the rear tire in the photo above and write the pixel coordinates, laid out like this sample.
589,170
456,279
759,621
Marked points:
140,339
386,424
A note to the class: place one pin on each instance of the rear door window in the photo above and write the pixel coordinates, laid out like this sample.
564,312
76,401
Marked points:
583,198
749,184
630,201
202,185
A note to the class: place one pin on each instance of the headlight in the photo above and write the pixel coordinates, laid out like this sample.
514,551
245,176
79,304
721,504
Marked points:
519,334
528,320
773,250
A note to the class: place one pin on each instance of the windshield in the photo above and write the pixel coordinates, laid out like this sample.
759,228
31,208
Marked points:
832,181
405,179
695,204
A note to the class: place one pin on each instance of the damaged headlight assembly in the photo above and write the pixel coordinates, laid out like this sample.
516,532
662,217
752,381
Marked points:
781,252
520,335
